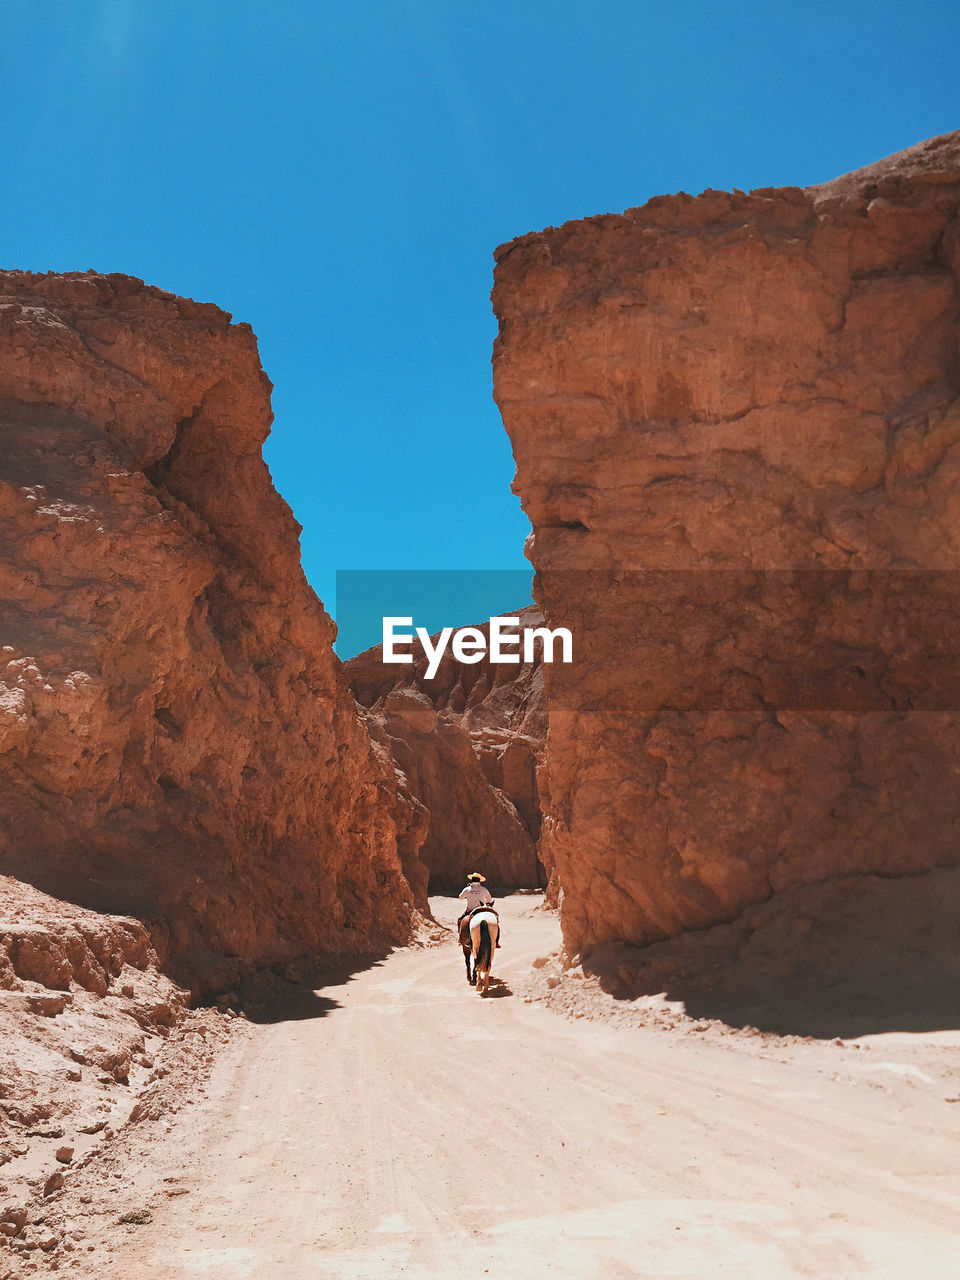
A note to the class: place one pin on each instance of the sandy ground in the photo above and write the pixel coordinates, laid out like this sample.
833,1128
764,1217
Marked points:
395,1123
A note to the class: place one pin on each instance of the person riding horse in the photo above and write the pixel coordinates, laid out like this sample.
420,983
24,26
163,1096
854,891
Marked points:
478,920
474,895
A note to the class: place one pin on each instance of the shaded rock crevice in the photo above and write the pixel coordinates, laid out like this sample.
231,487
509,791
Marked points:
467,747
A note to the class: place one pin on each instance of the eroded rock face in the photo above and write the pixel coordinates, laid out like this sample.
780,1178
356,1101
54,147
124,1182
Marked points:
177,740
467,745
737,431
93,1039
60,1036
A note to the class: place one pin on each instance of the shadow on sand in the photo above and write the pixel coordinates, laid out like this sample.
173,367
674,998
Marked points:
855,956
497,990
301,990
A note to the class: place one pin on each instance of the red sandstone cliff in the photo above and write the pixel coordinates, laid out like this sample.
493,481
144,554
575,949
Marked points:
708,399
177,740
467,745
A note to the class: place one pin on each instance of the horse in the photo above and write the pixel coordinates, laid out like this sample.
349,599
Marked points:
479,942
484,929
466,942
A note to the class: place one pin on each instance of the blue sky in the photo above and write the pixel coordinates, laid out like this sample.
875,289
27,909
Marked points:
338,174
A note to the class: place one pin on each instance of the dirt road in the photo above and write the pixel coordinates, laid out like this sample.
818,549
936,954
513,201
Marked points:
412,1128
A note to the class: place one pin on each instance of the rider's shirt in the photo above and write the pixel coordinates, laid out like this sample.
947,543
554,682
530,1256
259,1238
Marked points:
475,895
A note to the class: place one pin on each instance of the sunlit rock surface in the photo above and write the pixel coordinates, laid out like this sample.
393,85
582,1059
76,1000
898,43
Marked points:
177,739
736,425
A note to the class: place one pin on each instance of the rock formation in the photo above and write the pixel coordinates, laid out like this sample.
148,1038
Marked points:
93,1041
57,962
736,425
177,739
851,956
467,746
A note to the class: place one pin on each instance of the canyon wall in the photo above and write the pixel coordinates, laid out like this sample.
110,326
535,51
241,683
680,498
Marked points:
467,745
736,424
177,738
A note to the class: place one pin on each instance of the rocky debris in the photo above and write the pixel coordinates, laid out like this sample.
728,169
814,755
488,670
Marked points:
67,1055
67,947
13,1219
466,746
118,1048
736,421
177,739
136,1218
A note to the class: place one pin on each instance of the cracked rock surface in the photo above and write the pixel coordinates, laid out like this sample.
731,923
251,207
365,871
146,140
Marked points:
177,740
736,423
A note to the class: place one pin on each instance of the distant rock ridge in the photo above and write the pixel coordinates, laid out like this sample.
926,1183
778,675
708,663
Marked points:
177,739
467,745
736,424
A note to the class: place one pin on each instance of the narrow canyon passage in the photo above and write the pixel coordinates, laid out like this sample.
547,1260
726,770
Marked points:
412,1128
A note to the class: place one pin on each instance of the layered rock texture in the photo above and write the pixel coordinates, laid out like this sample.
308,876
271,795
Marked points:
177,739
466,746
94,1040
736,422
64,1047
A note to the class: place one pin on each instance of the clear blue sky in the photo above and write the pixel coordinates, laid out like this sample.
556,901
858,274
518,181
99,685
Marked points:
339,173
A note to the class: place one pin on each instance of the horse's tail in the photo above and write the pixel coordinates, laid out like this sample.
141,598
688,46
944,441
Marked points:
485,949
